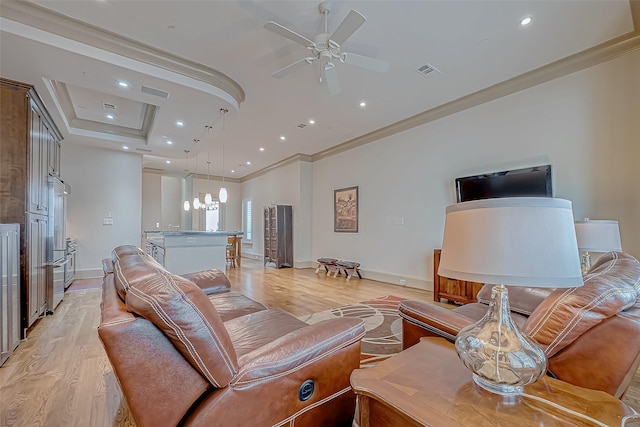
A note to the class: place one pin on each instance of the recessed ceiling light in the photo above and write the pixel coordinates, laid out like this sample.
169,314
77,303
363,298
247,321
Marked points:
124,147
312,122
363,104
248,163
180,123
168,162
110,116
261,148
233,171
526,20
169,142
282,137
123,83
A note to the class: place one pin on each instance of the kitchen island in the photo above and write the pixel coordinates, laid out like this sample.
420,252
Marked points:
182,252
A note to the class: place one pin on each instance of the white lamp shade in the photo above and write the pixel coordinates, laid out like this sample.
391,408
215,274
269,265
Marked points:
207,199
196,203
185,205
223,195
521,241
598,235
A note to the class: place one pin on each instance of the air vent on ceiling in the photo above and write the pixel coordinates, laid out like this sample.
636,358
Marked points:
155,92
107,106
143,150
426,69
302,125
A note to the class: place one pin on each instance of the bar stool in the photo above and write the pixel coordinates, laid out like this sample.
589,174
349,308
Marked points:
232,251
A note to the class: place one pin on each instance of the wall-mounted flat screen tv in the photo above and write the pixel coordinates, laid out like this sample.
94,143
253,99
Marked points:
527,182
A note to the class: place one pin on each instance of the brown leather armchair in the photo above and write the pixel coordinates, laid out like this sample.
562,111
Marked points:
179,362
590,334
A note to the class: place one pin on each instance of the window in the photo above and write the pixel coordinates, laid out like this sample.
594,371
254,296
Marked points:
247,220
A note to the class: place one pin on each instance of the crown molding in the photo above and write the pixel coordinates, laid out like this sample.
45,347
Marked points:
295,158
34,17
579,61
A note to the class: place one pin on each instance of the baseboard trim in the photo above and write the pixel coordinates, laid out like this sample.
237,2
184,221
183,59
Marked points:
394,279
89,273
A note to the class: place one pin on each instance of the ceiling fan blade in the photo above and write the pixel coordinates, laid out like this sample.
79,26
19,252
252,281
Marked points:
285,32
291,67
331,77
367,62
348,26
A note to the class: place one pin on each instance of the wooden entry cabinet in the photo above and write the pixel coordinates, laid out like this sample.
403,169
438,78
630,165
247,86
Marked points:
453,290
278,235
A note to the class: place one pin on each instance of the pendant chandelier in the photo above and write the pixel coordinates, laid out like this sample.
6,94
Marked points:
207,197
223,191
196,199
185,205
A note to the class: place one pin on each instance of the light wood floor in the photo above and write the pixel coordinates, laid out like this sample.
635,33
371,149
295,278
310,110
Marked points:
60,375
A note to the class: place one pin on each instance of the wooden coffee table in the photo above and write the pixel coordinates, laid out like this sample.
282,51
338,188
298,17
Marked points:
427,385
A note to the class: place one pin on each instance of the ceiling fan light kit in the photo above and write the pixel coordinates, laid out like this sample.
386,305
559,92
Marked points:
326,48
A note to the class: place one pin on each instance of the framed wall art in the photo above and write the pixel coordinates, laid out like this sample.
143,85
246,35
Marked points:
345,210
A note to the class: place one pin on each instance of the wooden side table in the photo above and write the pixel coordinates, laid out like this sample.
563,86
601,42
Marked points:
459,291
427,385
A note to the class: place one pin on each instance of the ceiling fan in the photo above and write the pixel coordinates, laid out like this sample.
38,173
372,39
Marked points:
325,48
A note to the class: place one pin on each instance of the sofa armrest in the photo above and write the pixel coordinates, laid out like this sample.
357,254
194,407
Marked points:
422,319
211,281
296,350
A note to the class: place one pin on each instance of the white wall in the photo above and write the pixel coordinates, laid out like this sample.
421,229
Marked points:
587,125
151,201
287,185
102,181
172,202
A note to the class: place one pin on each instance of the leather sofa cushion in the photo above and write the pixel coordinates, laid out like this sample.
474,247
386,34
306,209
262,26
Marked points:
185,315
210,281
609,288
124,251
230,305
132,269
254,330
522,300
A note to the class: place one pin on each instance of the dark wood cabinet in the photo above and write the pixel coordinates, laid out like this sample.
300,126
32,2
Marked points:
27,137
278,235
454,290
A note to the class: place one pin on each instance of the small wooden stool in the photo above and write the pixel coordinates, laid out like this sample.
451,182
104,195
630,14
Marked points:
349,268
329,265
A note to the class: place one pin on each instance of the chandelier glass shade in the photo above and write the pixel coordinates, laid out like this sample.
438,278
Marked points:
185,205
196,199
222,195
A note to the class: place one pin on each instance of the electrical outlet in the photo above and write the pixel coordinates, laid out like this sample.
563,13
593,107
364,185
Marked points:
107,221
403,282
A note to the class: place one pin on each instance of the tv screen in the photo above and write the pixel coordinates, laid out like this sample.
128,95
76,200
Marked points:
527,182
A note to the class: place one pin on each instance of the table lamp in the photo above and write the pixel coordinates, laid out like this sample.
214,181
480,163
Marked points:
520,241
596,235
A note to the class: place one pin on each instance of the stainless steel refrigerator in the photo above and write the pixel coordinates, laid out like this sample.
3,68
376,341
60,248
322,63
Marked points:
57,246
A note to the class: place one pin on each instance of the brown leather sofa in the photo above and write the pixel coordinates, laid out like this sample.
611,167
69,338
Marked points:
186,358
590,334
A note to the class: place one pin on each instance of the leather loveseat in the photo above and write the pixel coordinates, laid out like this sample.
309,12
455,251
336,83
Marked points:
590,334
183,357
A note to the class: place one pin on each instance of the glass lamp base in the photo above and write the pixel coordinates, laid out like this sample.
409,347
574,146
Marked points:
497,388
501,358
